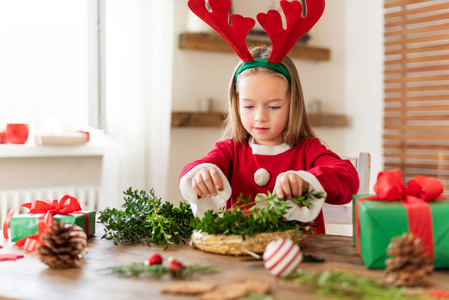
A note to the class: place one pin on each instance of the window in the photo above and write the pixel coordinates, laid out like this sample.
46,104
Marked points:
49,62
416,118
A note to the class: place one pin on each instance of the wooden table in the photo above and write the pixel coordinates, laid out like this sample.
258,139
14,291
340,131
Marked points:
28,278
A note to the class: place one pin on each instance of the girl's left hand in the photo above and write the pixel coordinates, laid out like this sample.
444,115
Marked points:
290,185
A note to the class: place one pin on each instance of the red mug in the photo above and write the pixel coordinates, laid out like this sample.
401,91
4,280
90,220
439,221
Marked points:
3,137
17,133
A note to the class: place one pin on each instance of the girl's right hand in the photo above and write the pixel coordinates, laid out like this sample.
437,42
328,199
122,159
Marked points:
206,182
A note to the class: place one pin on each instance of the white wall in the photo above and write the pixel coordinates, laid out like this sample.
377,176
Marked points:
350,83
364,81
29,172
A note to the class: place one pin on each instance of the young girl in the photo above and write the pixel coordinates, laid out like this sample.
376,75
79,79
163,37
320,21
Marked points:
270,147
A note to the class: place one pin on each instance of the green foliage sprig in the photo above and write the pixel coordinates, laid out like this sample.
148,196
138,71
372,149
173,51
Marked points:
343,285
146,219
256,296
158,271
264,216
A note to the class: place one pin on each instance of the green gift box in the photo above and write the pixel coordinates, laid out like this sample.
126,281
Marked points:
380,221
25,225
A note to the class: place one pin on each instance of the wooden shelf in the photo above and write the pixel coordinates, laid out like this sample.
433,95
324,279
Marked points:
215,119
197,119
215,43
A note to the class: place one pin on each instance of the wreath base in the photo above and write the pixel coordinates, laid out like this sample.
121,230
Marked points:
236,245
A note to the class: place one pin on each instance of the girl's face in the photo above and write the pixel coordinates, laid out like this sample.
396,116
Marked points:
264,105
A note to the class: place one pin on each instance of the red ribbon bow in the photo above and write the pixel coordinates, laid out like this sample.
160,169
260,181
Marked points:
54,207
49,208
389,187
414,197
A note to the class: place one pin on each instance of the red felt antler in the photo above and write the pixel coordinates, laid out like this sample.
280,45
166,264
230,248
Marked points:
284,40
235,33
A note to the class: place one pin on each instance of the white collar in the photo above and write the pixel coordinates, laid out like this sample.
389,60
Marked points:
267,150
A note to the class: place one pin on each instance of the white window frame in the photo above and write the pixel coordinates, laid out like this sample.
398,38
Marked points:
96,114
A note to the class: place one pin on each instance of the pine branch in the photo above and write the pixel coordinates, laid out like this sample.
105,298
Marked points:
264,216
158,271
257,296
343,285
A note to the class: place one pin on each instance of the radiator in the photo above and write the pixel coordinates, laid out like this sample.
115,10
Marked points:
87,196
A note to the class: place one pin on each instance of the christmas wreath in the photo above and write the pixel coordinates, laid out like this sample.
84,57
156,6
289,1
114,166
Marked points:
244,230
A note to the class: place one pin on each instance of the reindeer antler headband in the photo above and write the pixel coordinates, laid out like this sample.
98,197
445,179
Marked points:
237,30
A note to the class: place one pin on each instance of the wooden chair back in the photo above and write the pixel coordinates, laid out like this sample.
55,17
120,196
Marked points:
342,214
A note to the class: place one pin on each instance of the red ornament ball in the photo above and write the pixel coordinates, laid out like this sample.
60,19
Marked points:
176,268
155,259
282,257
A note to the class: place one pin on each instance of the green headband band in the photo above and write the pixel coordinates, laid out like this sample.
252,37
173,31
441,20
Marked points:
261,62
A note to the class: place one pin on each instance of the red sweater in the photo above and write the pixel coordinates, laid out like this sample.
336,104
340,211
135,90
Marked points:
239,162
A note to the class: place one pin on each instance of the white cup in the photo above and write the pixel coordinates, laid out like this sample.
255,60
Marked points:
314,107
206,104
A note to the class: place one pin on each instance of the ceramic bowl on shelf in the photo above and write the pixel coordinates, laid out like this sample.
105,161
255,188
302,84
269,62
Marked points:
64,139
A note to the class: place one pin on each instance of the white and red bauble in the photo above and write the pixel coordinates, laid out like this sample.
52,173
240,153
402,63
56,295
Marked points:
79,235
282,257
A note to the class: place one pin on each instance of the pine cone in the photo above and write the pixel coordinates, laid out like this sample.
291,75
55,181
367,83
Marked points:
409,266
63,245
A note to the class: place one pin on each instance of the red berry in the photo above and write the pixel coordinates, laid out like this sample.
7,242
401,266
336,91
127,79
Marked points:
155,259
176,268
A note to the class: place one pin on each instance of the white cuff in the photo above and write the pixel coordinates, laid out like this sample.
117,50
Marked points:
200,206
306,214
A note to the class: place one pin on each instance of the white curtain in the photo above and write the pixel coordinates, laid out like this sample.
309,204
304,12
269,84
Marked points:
139,54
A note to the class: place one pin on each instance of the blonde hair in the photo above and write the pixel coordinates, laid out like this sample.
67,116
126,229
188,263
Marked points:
298,126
